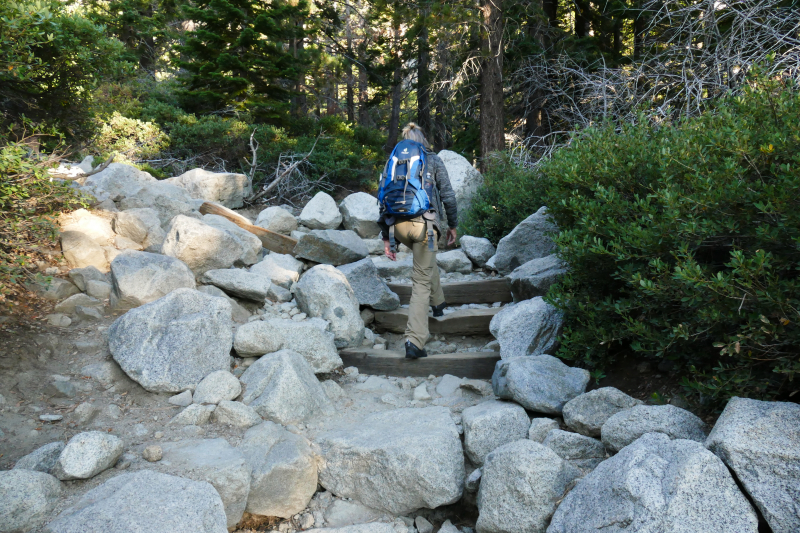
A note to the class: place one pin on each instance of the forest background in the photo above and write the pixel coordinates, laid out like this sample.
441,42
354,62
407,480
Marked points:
661,134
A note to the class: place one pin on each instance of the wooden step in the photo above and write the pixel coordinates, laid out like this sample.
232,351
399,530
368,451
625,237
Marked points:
465,292
461,322
472,365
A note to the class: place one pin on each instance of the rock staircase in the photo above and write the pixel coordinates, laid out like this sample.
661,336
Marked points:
474,365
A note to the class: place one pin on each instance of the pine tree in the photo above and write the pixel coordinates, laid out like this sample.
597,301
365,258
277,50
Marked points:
239,55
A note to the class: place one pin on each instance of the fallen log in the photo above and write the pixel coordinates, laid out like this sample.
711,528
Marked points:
274,242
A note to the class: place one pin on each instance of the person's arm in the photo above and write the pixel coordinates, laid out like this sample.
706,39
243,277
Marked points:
448,197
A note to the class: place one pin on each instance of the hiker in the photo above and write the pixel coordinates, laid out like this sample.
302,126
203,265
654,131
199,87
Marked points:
414,185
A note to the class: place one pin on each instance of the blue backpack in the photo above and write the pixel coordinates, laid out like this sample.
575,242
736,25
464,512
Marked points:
406,188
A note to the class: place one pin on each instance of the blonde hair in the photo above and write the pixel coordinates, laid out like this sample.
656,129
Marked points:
412,132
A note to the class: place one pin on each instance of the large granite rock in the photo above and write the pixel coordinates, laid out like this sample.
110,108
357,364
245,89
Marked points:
95,227
81,251
284,471
281,269
200,246
521,484
529,240
587,413
324,292
170,344
478,249
216,462
628,425
126,503
369,288
142,226
164,198
223,188
372,527
321,213
454,261
582,452
540,383
464,178
26,499
251,245
138,278
241,283
331,247
310,338
535,277
489,425
42,459
532,327
657,484
402,268
360,213
86,455
117,181
760,442
540,428
277,219
282,387
396,461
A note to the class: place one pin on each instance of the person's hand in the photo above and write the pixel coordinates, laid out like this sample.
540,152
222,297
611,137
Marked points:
388,251
452,235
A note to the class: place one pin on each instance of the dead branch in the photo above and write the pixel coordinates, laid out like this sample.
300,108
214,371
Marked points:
287,171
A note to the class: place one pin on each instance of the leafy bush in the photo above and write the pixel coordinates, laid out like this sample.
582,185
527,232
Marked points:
130,137
29,201
509,195
684,242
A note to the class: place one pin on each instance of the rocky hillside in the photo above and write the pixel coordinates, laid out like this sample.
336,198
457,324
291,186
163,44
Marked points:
191,380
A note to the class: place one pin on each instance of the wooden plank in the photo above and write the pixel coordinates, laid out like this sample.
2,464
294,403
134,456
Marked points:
274,242
461,322
472,365
465,292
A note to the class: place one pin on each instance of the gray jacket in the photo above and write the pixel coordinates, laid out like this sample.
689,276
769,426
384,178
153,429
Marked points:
445,201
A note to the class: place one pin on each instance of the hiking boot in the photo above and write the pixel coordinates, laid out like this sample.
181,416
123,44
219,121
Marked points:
412,352
438,310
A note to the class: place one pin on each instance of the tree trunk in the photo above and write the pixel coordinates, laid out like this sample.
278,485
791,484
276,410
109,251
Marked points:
299,100
581,18
550,8
394,121
351,106
491,106
363,94
639,25
423,79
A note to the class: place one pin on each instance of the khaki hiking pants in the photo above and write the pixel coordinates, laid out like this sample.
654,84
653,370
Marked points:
426,289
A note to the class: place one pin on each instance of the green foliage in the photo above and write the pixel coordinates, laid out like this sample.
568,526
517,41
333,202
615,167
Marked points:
509,195
240,55
131,138
52,59
29,200
683,244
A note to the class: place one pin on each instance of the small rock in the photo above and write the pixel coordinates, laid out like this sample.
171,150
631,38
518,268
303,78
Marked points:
473,482
539,383
216,387
51,418
478,249
183,399
235,414
587,413
87,454
421,393
193,415
492,424
58,320
321,212
540,428
454,261
278,220
43,459
360,213
531,327
152,453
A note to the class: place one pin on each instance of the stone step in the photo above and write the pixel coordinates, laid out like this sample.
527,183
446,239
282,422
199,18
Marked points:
465,292
461,322
472,365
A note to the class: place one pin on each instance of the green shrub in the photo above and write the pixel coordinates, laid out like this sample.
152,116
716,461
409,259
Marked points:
29,202
684,242
131,138
509,195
